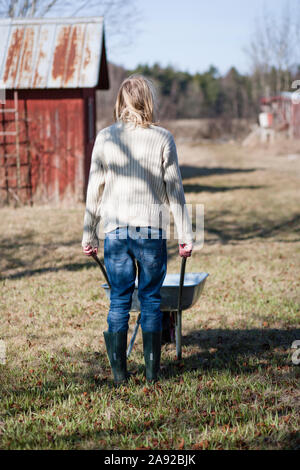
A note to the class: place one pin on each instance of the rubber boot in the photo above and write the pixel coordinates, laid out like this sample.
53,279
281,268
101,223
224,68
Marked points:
152,350
116,345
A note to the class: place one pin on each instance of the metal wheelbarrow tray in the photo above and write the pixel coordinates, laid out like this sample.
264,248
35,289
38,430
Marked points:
178,292
192,289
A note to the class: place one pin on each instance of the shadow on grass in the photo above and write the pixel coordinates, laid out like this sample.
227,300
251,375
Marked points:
188,171
224,232
229,233
197,188
63,267
236,351
35,254
194,172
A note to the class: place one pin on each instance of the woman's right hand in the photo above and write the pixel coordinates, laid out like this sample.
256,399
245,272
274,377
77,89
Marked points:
185,250
89,251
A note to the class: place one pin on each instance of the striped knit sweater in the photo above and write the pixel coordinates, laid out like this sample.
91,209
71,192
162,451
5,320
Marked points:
135,180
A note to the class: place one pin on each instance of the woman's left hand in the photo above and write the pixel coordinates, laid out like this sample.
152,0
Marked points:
89,251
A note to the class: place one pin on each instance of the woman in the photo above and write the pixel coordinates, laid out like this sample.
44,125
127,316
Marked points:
134,180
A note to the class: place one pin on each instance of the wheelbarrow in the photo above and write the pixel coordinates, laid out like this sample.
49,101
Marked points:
179,292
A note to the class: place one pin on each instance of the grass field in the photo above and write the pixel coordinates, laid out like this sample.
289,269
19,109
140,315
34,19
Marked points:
236,386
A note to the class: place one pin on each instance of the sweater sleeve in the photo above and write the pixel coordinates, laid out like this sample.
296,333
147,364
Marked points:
94,193
175,192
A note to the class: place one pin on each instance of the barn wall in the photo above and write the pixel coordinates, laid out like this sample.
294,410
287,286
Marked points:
89,131
52,146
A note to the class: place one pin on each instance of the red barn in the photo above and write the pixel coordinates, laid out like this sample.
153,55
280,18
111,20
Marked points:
50,70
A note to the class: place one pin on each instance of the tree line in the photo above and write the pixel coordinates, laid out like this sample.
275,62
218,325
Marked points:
274,64
183,95
201,95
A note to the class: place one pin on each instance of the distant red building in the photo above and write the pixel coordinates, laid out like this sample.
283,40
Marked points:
284,111
50,69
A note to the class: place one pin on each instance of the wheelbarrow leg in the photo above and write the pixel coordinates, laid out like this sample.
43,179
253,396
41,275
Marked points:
178,334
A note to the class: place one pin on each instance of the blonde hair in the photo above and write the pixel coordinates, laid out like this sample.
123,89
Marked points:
136,101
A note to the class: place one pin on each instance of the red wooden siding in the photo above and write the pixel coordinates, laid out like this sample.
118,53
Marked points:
54,146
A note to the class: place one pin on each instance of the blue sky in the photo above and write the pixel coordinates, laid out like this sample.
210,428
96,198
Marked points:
192,34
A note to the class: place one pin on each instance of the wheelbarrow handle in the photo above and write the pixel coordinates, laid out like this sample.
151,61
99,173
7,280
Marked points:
178,326
102,268
181,282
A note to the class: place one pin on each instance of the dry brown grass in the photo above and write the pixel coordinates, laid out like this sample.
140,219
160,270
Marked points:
238,338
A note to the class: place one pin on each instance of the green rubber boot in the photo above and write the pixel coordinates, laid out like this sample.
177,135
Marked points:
152,350
116,345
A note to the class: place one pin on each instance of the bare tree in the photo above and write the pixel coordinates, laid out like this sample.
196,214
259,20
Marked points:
121,16
260,55
274,48
26,8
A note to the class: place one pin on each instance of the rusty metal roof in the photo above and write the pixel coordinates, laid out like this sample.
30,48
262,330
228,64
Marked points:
51,53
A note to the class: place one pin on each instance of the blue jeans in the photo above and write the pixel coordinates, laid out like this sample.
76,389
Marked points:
124,253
